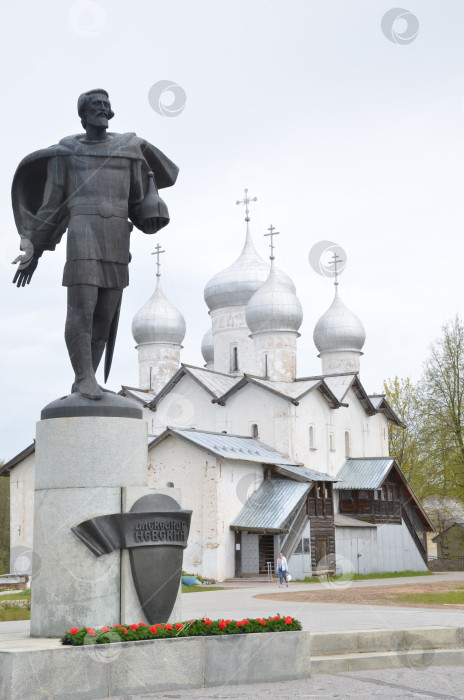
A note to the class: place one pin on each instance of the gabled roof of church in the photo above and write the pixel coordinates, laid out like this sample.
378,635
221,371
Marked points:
381,405
144,396
291,391
215,383
234,447
222,386
270,506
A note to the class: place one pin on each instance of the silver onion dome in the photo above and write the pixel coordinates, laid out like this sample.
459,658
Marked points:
235,285
158,321
207,346
274,306
339,329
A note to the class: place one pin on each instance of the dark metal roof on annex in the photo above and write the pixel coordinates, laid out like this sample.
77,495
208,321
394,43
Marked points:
269,507
366,473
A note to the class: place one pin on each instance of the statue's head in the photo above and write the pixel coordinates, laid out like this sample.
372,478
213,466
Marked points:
94,107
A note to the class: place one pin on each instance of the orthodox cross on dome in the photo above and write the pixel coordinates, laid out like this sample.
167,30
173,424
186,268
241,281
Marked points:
246,200
336,260
158,252
272,233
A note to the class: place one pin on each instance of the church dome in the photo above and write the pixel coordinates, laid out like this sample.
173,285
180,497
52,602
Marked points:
235,285
158,321
339,329
207,347
274,306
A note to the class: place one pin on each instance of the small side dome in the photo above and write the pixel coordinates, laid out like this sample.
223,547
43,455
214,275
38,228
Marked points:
275,306
158,321
339,329
207,347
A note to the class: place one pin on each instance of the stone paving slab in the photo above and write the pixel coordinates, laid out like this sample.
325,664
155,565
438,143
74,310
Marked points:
430,683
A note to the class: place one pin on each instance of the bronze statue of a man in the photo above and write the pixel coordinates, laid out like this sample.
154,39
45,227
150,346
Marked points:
94,185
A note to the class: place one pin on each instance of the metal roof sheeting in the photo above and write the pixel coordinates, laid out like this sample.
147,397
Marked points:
144,396
293,390
235,447
303,473
363,473
339,385
216,383
270,505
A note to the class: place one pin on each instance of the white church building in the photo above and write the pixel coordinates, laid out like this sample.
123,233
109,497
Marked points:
268,461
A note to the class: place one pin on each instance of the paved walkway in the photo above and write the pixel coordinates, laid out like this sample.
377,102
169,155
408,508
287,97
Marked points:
236,603
433,683
323,617
440,683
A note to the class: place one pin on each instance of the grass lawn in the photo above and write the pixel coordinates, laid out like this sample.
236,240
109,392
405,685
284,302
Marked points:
451,598
200,589
14,614
19,595
363,577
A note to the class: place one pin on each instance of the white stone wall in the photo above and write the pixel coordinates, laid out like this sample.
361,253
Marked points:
230,330
21,513
299,565
215,490
187,406
158,362
387,547
275,356
338,362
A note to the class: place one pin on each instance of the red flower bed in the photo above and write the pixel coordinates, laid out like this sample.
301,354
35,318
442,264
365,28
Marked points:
192,628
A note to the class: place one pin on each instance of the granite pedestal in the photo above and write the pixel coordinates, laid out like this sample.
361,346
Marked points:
86,466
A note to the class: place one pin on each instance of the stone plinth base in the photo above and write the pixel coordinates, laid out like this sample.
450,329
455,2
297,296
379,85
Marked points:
139,668
82,463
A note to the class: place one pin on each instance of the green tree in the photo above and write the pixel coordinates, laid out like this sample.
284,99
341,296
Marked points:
442,410
405,443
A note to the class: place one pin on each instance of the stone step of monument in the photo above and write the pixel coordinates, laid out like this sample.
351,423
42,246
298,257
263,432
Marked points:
359,650
385,659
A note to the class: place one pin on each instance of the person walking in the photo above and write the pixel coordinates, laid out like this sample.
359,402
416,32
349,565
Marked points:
282,568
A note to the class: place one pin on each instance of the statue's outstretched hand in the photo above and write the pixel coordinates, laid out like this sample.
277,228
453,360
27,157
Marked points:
28,263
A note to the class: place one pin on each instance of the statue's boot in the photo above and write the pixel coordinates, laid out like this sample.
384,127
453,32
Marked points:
81,359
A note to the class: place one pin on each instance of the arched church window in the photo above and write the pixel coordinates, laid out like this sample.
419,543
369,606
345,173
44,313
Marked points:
254,430
347,444
312,442
234,359
331,442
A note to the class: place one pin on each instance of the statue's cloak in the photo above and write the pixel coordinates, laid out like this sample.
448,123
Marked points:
28,187
30,179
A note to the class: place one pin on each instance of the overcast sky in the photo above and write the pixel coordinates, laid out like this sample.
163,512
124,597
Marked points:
342,132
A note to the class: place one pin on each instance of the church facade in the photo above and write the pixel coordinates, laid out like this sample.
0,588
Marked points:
268,461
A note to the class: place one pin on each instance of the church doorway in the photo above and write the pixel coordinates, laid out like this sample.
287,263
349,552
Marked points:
266,552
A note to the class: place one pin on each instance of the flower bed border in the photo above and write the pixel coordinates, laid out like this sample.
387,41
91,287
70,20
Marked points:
192,628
